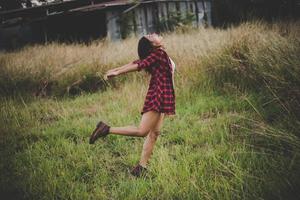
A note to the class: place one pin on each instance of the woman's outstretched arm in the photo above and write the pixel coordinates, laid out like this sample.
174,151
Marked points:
130,67
119,68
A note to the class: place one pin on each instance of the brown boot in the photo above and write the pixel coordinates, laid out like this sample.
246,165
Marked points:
138,171
101,130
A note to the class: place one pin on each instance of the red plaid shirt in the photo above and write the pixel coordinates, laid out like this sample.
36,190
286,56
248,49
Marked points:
161,95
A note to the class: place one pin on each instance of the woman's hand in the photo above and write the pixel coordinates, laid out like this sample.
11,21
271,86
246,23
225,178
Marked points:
110,74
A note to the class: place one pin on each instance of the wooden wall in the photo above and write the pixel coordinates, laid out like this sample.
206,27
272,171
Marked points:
111,22
151,17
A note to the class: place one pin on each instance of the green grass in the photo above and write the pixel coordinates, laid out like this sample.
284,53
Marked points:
235,135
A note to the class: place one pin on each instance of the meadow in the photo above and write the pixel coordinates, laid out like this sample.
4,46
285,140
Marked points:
235,134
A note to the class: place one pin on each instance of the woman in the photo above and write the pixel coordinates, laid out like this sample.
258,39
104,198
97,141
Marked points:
159,101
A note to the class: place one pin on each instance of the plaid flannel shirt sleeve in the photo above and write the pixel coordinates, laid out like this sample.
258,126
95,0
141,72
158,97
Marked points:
149,60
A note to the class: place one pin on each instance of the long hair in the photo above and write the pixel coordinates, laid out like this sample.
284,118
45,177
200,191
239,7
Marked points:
144,49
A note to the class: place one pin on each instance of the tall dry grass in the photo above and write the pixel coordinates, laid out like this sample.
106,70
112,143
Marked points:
63,64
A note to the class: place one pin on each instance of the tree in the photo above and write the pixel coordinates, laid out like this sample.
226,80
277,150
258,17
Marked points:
236,11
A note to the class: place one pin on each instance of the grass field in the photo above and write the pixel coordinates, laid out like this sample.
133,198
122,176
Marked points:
235,134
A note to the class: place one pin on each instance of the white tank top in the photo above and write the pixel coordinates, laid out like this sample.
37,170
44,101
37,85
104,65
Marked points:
173,70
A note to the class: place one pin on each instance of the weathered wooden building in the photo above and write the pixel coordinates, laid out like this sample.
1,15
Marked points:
85,20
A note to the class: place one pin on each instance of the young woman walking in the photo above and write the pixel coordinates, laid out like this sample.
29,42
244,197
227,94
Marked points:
159,101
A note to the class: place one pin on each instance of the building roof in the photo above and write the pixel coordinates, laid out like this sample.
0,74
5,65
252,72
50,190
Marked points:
16,16
102,5
61,6
44,11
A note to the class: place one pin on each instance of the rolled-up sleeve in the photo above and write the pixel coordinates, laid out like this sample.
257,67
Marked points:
153,57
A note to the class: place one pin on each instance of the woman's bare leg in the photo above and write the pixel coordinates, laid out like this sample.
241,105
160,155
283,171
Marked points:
149,120
150,141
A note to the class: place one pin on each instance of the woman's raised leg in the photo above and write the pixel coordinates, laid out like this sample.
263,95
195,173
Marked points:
149,120
150,141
